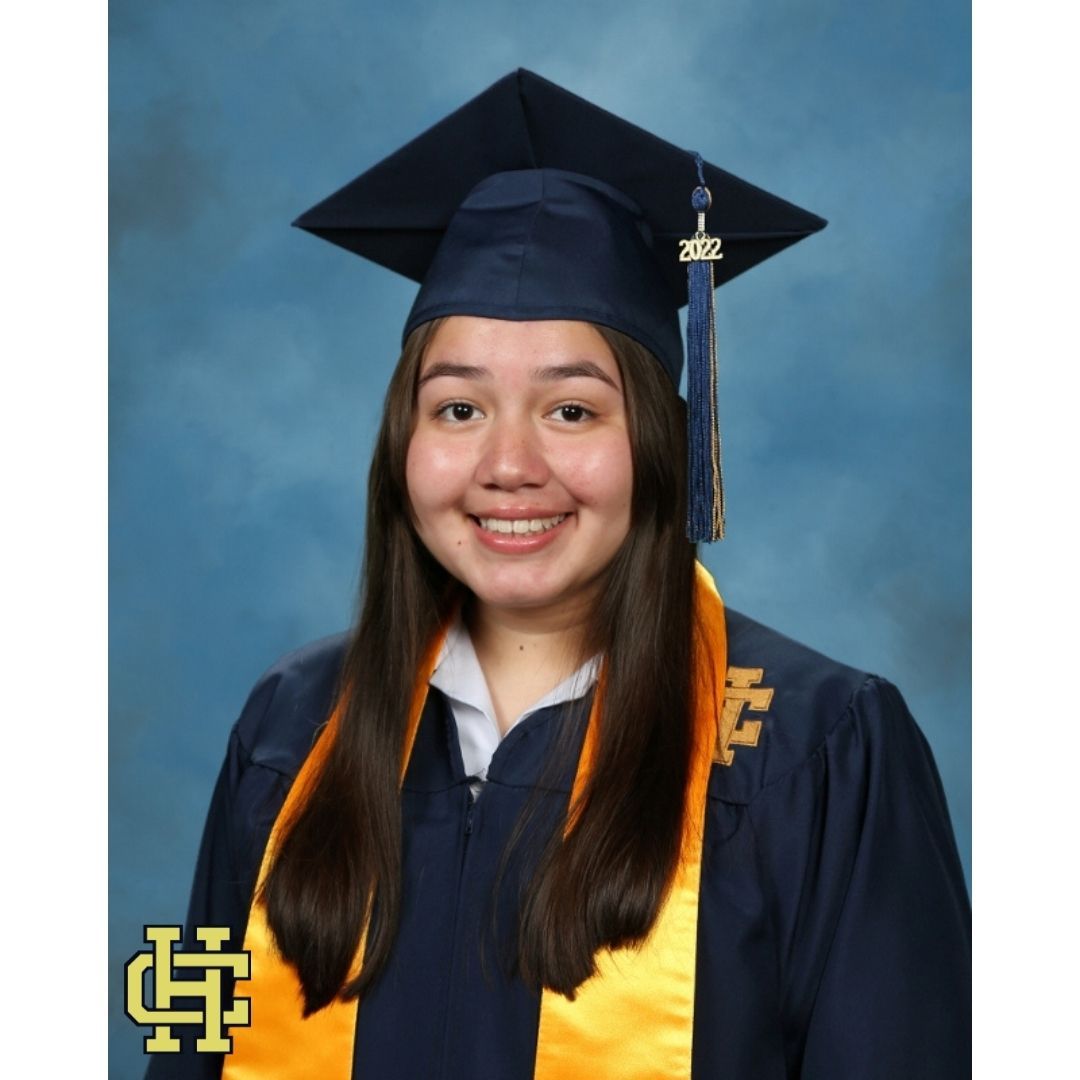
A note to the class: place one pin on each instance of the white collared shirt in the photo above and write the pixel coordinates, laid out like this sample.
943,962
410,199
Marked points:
459,676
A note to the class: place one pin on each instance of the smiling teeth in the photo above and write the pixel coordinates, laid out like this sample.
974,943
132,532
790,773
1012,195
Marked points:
520,525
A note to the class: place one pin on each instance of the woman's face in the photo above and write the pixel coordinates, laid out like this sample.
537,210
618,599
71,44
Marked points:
519,467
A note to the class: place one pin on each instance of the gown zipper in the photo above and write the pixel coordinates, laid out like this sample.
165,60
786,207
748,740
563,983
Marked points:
470,814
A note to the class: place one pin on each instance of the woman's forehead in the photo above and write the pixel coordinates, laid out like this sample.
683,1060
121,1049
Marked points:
509,346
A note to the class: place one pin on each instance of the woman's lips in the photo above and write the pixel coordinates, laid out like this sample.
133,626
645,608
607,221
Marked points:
519,543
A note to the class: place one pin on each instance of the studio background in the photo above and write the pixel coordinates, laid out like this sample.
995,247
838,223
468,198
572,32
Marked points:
249,360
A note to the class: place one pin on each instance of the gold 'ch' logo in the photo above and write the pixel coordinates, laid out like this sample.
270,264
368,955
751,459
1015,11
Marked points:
741,692
161,962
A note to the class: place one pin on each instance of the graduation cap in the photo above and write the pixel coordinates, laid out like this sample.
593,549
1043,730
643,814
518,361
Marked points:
529,202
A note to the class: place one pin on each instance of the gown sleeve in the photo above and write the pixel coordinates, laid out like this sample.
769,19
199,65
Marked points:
244,804
869,903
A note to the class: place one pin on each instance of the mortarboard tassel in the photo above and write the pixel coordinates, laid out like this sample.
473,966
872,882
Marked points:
705,509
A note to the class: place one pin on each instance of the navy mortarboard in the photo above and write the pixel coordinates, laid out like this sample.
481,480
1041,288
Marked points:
529,202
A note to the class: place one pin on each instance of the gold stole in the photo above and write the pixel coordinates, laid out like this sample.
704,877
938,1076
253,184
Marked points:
633,1020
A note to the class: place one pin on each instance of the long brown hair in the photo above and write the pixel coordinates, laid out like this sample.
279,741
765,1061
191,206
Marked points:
603,884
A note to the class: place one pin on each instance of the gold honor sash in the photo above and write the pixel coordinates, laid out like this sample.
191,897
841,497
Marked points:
633,1020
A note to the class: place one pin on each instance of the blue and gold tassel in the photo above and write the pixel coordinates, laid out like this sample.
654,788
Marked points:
705,510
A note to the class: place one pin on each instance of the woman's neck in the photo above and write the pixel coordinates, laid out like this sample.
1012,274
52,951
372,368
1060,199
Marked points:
523,655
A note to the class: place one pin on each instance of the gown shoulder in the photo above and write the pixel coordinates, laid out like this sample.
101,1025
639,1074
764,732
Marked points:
289,705
783,703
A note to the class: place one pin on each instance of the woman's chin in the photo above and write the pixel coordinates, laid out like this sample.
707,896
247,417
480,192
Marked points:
523,599
555,603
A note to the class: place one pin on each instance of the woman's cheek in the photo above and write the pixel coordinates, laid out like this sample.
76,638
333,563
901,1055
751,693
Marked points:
438,474
418,476
603,473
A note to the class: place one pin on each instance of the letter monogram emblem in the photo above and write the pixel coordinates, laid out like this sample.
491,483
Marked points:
741,692
161,962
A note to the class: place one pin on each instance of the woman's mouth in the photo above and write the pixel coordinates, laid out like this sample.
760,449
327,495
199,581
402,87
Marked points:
519,535
520,526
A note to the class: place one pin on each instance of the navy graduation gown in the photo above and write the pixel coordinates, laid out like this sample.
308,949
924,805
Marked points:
834,924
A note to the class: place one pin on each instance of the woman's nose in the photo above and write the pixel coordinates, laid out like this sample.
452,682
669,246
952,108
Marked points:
513,456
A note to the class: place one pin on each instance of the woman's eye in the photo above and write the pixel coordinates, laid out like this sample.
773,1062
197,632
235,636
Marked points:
457,411
572,414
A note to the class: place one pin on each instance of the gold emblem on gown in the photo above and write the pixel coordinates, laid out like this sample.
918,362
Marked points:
741,692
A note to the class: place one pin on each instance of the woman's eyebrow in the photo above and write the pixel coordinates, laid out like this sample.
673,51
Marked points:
579,369
456,371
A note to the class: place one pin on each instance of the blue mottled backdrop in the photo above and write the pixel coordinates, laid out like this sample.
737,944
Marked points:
248,360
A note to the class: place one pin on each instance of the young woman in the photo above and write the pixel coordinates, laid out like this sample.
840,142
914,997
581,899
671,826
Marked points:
551,811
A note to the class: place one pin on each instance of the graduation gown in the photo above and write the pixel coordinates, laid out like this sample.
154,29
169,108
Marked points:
833,924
